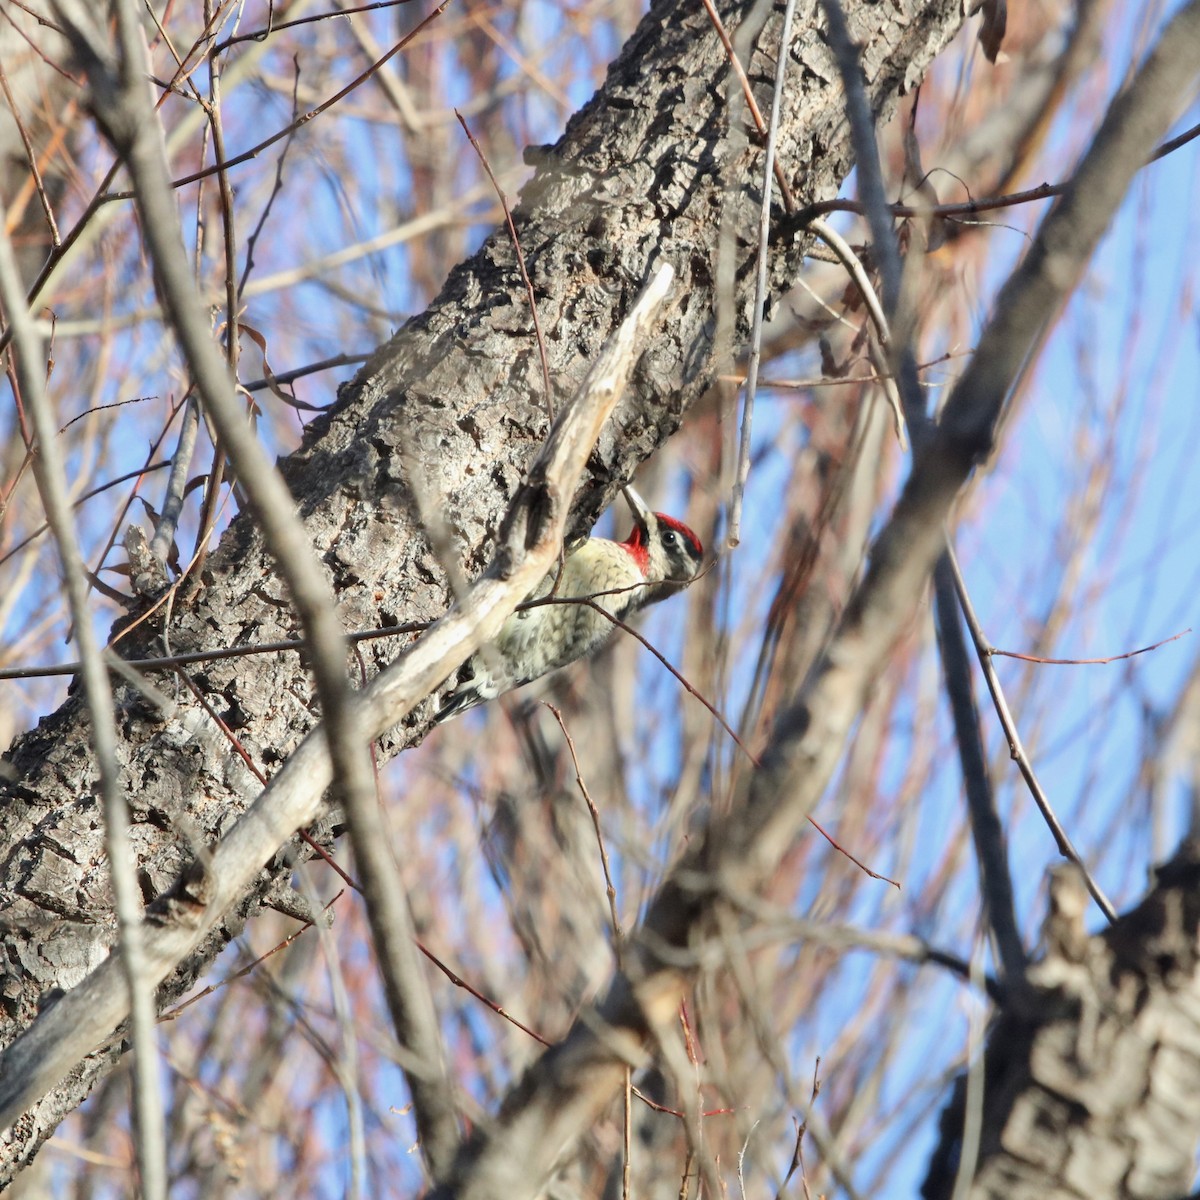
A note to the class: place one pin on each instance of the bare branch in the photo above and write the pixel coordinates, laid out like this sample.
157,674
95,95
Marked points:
122,104
991,847
1065,846
135,983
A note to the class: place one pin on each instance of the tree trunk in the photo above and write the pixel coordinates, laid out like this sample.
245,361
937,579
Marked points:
1088,1088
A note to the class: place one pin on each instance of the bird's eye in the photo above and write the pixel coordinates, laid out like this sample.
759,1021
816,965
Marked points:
670,537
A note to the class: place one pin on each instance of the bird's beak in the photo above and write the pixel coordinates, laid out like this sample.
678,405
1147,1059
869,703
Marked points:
639,508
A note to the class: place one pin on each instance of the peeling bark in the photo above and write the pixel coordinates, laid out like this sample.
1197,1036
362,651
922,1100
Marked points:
1089,1090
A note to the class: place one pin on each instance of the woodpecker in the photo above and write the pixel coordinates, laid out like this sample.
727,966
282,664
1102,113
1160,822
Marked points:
659,557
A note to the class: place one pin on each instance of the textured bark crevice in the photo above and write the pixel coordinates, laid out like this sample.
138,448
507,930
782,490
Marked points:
1089,1089
444,419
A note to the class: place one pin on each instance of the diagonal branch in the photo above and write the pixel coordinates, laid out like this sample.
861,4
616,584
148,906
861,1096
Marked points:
1016,747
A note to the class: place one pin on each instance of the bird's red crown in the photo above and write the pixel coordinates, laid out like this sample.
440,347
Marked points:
635,543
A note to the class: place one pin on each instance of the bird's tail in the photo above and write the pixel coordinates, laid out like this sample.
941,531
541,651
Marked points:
458,701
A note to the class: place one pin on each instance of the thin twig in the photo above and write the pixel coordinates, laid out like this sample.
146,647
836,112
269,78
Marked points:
627,1134
790,385
760,288
972,1131
797,1163
881,343
460,982
1016,748
304,118
31,159
169,661
516,241
75,503
344,1063
965,208
991,849
259,35
173,1014
716,713
118,523
1086,662
595,812
50,473
276,190
212,110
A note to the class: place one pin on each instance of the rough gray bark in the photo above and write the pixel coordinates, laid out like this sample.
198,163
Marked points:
443,420
1090,1090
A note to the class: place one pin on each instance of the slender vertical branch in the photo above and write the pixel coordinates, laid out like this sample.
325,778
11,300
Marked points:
50,474
760,287
986,829
879,218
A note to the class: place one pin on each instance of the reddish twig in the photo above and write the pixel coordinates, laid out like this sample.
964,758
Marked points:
31,158
516,241
720,719
674,1112
1016,748
609,888
252,767
500,1011
304,118
460,982
173,1014
789,202
862,866
991,651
